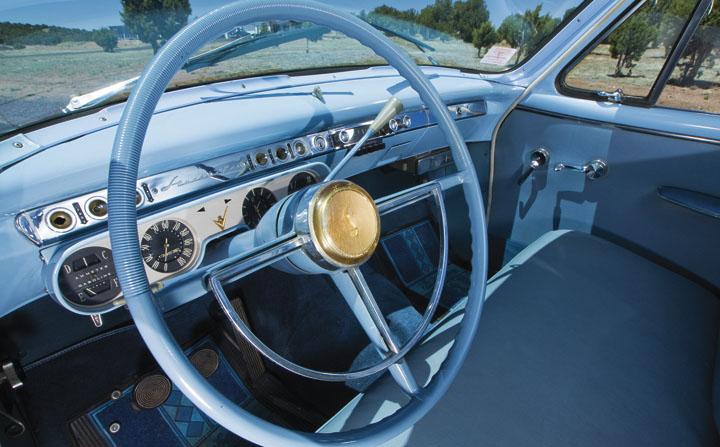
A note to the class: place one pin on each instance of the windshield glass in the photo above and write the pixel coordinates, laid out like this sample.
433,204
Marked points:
61,56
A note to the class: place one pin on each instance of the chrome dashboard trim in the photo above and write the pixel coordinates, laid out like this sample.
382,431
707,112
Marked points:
173,184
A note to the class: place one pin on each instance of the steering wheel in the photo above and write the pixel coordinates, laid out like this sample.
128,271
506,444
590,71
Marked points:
303,241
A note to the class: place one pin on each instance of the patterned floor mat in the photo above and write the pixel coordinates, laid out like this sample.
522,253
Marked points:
177,422
414,254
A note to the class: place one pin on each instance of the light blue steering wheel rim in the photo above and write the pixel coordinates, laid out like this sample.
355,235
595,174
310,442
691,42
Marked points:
124,237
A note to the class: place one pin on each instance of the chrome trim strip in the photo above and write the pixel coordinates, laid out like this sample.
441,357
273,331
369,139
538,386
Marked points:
626,127
698,202
173,184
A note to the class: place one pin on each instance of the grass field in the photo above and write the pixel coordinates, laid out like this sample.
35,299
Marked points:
39,80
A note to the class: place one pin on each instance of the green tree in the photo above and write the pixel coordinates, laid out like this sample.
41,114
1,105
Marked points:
106,39
484,36
525,31
668,16
393,18
409,15
702,48
541,26
18,34
155,21
467,16
568,13
630,40
515,30
438,16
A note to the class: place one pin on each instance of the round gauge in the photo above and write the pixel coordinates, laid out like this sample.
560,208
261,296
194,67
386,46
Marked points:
300,181
167,246
88,278
257,202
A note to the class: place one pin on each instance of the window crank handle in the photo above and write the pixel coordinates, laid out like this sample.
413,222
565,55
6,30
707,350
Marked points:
538,158
533,165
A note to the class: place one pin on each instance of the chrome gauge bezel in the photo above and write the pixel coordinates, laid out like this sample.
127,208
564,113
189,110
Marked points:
60,209
88,211
194,246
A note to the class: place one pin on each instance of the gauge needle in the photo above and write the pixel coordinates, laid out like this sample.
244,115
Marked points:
166,247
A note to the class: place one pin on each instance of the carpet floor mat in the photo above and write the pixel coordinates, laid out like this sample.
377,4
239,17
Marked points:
128,418
413,253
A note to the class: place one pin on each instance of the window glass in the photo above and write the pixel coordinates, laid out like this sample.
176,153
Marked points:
633,55
695,81
56,55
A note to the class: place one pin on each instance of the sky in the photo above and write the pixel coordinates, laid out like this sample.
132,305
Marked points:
91,14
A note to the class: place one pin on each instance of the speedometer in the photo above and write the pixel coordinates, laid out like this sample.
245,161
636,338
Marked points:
256,204
167,246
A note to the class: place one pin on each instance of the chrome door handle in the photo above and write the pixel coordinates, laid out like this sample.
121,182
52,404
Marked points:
616,96
593,169
539,157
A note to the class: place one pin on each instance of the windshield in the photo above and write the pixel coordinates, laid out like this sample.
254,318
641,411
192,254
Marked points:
59,57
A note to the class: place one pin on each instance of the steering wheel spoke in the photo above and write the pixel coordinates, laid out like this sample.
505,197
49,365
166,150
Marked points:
359,297
253,260
410,196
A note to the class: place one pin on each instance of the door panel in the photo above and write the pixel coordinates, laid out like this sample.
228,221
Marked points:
622,206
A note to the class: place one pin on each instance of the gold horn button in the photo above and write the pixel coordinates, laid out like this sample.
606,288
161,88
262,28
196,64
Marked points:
345,223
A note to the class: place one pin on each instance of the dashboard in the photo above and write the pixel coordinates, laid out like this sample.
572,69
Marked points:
193,209
82,276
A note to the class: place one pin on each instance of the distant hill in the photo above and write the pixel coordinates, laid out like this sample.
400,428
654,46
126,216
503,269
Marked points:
18,34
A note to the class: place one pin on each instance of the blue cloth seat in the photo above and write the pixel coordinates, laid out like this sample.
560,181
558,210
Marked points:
581,343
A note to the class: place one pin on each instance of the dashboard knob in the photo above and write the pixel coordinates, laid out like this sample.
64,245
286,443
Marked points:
319,143
97,207
394,125
299,148
406,121
260,158
344,137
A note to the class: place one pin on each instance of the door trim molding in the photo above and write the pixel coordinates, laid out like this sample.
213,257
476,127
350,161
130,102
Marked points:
626,127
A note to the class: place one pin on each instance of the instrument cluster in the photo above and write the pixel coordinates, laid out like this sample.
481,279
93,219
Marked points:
83,276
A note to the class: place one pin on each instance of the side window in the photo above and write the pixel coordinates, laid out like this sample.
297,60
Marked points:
695,81
632,56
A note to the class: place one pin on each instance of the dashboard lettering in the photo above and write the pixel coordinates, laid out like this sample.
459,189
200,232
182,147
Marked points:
235,165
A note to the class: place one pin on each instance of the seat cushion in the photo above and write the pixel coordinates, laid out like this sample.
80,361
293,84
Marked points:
581,342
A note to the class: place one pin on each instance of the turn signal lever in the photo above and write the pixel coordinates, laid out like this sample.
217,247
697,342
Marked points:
540,157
